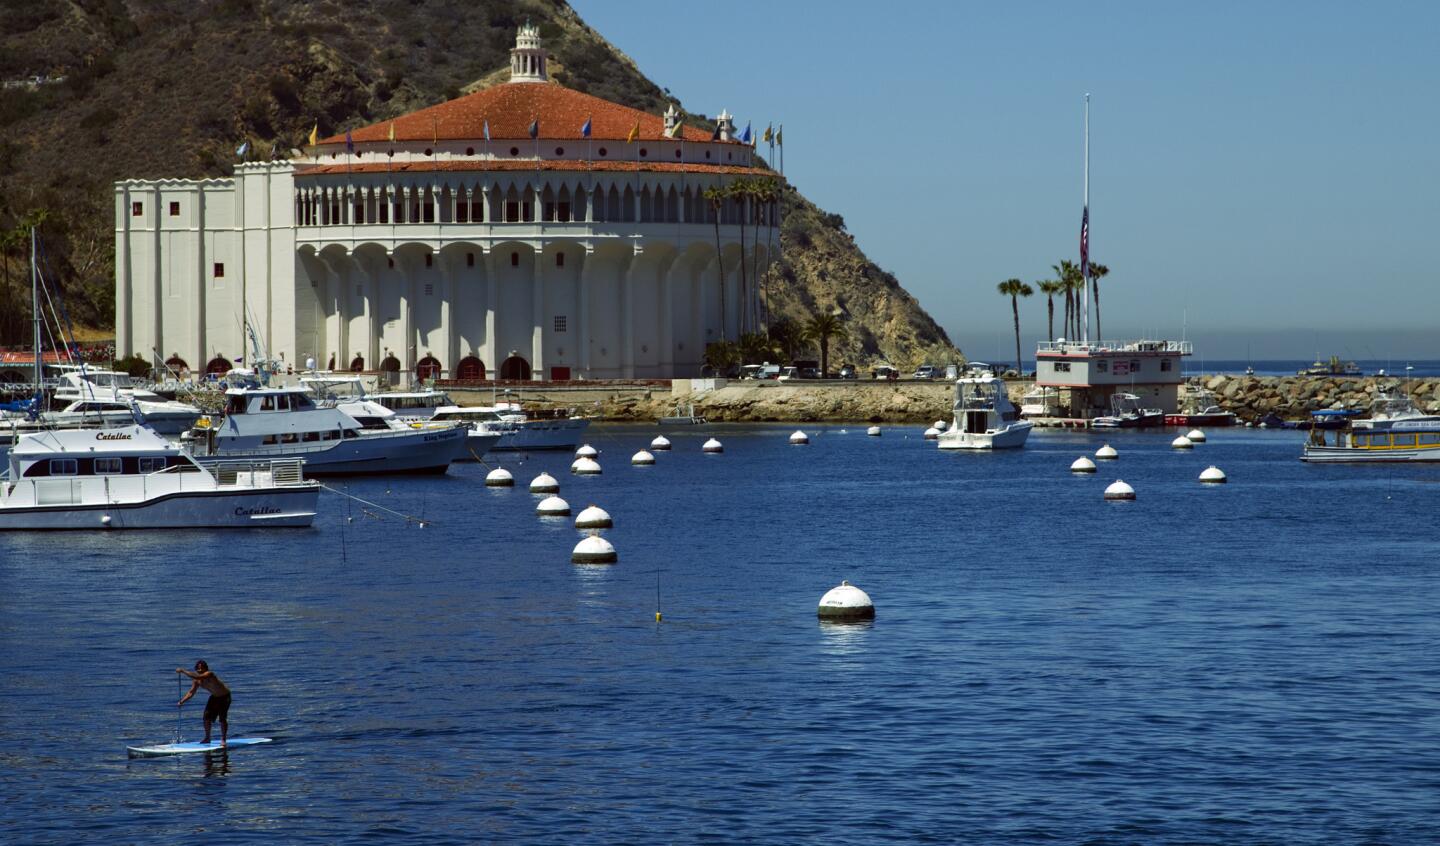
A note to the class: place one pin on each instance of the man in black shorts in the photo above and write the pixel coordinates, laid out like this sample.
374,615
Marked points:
218,705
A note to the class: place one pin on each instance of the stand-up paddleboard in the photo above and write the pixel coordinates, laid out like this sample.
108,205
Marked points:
189,747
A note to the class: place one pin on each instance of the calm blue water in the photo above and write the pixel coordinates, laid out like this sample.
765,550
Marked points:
1252,663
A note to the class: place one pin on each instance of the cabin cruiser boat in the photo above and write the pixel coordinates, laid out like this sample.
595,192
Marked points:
1333,367
1126,413
264,422
413,405
518,429
984,416
131,478
1040,402
1199,408
1415,439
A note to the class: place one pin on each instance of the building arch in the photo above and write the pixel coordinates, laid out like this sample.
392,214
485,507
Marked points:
175,362
428,368
217,366
470,368
357,364
515,368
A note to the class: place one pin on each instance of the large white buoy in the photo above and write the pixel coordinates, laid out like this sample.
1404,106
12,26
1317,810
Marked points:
712,446
1196,436
660,443
544,483
873,431
1213,475
1106,453
1119,490
594,550
799,438
585,467
932,434
846,602
940,425
553,506
642,458
593,517
499,478
1182,442
586,451
1082,465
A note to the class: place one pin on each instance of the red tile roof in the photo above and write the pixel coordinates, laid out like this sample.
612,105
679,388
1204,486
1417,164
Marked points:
509,108
532,165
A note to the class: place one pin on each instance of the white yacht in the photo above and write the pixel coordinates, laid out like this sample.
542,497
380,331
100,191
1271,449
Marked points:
261,422
131,478
518,429
984,416
1040,401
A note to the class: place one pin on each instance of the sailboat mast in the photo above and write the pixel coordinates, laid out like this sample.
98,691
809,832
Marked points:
35,311
1085,238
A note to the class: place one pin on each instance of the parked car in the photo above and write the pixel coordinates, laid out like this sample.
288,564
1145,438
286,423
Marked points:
788,373
884,371
807,372
848,372
926,371
768,371
749,371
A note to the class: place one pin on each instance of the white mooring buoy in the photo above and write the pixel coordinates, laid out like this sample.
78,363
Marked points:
873,431
1182,442
585,467
499,478
1119,490
544,483
642,458
1213,475
586,451
712,446
594,550
799,438
1196,436
1082,465
1106,453
660,443
846,602
932,434
553,506
593,517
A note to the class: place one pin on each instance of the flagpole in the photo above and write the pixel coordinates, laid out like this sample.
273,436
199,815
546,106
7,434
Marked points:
1085,289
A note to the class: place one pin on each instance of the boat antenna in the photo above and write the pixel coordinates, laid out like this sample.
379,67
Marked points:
35,311
1085,238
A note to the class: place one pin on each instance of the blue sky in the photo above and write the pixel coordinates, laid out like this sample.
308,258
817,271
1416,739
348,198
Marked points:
1263,176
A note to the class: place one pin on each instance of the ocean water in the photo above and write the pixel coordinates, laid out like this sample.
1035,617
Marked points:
1257,662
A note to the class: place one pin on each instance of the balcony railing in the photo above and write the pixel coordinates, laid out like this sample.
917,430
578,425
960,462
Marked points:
1142,346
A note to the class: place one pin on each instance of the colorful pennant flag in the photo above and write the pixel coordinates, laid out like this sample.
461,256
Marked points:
780,135
634,133
585,130
768,136
349,142
315,134
745,136
392,132
535,128
487,130
675,130
242,149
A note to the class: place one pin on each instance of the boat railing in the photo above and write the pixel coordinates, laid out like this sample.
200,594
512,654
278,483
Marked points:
283,472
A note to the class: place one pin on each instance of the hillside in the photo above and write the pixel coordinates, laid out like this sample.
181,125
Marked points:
169,88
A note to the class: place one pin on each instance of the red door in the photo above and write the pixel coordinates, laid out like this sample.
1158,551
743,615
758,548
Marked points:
559,374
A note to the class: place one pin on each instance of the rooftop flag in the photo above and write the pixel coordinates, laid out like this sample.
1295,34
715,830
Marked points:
585,130
242,149
392,132
434,129
634,133
745,136
487,130
675,131
769,134
1085,244
349,142
535,128
315,134
715,136
780,135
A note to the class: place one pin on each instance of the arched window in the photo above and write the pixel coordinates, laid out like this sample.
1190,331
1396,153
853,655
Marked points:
390,364
357,363
428,368
470,367
217,366
176,363
515,368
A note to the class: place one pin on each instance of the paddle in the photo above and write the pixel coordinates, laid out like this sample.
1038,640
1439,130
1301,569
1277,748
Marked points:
178,685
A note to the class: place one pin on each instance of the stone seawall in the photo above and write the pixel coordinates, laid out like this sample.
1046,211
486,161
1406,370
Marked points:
1250,397
1294,397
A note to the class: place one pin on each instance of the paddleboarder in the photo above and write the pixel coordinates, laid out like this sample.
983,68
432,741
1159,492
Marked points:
217,706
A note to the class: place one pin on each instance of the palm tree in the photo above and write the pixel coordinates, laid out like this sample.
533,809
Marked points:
785,334
1014,289
755,348
1062,275
716,195
722,356
820,329
1097,272
1051,287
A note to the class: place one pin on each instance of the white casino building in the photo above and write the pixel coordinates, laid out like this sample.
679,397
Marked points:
442,253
